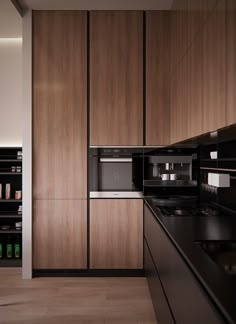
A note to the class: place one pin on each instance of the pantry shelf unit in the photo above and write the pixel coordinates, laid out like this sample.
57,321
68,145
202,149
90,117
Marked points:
10,216
11,173
10,206
10,200
11,160
11,231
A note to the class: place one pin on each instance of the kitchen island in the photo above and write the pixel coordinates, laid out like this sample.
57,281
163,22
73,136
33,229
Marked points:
193,285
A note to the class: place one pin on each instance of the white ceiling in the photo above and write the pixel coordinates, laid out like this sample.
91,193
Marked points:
10,20
96,4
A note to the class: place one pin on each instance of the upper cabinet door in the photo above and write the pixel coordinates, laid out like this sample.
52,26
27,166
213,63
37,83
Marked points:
214,70
157,78
59,105
116,78
231,62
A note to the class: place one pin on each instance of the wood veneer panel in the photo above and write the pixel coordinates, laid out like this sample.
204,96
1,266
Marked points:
179,36
116,78
179,102
195,82
116,233
198,14
157,78
231,62
214,70
60,234
59,105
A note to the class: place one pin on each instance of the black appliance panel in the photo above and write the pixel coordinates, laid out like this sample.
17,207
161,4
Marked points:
116,169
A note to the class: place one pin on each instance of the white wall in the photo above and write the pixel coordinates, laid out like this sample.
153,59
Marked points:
10,92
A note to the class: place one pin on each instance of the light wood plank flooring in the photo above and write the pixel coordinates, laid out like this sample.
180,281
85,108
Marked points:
73,300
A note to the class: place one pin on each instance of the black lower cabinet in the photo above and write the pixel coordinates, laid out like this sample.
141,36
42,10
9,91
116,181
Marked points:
160,304
187,300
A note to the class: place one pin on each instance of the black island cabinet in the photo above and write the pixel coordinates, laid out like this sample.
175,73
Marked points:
177,295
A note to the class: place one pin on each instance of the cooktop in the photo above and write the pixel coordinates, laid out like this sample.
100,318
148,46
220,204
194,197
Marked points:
189,206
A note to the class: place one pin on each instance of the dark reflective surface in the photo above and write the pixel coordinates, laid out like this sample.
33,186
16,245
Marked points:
185,232
223,253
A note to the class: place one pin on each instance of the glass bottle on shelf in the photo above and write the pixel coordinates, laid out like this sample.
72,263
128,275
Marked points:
17,248
9,249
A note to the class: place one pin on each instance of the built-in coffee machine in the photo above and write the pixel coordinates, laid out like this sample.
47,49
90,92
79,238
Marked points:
170,171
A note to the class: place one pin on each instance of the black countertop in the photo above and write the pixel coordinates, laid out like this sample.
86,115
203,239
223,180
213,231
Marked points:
185,233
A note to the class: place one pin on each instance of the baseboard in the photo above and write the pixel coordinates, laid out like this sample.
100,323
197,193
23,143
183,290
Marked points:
88,273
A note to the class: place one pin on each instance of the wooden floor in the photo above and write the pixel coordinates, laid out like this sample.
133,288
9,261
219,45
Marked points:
73,300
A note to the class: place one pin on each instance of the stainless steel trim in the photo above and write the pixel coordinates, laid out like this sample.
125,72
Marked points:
218,169
116,160
116,194
125,146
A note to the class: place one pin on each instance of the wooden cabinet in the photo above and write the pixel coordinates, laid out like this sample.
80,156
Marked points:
231,62
214,70
116,78
59,105
179,35
198,78
116,234
194,305
60,234
195,91
179,103
157,78
198,14
59,140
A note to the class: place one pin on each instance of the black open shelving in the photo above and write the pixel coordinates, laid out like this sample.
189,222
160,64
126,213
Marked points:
10,263
10,231
10,216
10,238
11,160
10,173
10,200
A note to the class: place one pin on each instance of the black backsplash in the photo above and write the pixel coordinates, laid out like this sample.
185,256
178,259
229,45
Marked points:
225,163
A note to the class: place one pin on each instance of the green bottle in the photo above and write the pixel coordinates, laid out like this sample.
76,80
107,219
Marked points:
17,251
0,250
9,250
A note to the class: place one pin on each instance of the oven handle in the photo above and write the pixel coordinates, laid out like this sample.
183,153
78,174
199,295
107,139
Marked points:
123,160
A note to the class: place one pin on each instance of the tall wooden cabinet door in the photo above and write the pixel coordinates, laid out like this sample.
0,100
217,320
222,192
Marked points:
59,105
195,93
173,109
231,62
214,70
179,102
60,234
157,78
198,13
116,234
116,78
179,33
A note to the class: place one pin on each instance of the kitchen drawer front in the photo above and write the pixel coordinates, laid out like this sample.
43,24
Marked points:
160,304
188,301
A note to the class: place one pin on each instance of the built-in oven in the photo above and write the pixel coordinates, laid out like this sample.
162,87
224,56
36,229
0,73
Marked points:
115,172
